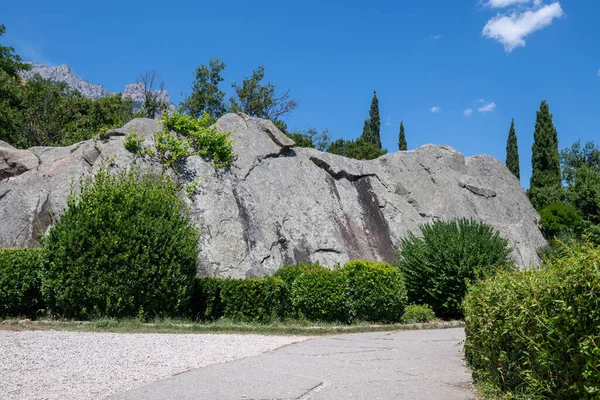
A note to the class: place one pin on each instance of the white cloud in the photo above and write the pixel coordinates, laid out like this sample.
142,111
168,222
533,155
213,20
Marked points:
485,106
506,3
435,109
387,121
468,112
598,71
436,37
511,30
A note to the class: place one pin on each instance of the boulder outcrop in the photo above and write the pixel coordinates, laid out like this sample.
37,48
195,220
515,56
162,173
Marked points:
279,204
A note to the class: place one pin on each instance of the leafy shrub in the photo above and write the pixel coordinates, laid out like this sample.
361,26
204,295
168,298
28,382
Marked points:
416,313
322,295
198,137
377,290
205,302
252,299
560,218
20,282
289,273
439,267
133,143
535,334
124,247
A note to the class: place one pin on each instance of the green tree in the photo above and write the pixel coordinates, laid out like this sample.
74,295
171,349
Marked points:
358,149
311,138
402,145
206,95
372,126
576,157
10,62
512,151
262,101
545,186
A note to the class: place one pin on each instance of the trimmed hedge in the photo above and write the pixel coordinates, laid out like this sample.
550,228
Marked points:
439,267
205,301
323,295
252,299
289,273
376,289
418,314
536,334
20,284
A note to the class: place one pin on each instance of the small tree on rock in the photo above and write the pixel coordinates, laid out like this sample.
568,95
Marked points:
402,145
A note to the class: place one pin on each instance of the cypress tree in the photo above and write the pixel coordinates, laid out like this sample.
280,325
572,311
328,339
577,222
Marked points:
402,146
545,185
372,126
512,151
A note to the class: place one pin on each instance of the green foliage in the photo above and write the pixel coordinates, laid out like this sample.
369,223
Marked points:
372,126
439,267
289,273
311,138
584,193
206,97
322,295
205,301
416,313
198,137
133,143
512,151
10,62
560,218
574,158
125,247
545,186
402,145
20,282
376,289
262,101
358,149
253,299
534,334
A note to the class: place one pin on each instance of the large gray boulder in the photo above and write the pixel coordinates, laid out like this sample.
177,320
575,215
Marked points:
279,204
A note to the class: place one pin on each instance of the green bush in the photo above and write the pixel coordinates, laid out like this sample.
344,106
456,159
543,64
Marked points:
125,247
536,334
560,218
198,138
377,290
205,302
289,273
439,266
322,295
252,299
20,282
416,313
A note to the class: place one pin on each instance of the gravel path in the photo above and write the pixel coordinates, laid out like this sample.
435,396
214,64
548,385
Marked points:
79,365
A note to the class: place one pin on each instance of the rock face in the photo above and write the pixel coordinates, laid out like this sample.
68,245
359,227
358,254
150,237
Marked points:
280,204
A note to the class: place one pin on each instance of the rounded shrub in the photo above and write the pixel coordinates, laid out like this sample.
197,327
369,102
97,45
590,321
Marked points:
288,274
536,334
252,299
322,295
377,290
560,218
20,284
439,266
125,247
416,313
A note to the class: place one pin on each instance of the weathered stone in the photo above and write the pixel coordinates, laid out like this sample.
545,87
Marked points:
279,204
14,162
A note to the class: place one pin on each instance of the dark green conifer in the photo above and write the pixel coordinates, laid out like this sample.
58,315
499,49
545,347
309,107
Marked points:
402,146
545,185
512,151
372,126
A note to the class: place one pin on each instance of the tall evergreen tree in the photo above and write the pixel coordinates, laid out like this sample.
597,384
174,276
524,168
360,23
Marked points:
512,151
372,126
402,146
545,186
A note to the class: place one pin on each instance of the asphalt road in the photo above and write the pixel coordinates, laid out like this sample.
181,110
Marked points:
420,364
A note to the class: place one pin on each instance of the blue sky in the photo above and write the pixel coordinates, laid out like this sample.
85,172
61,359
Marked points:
430,61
